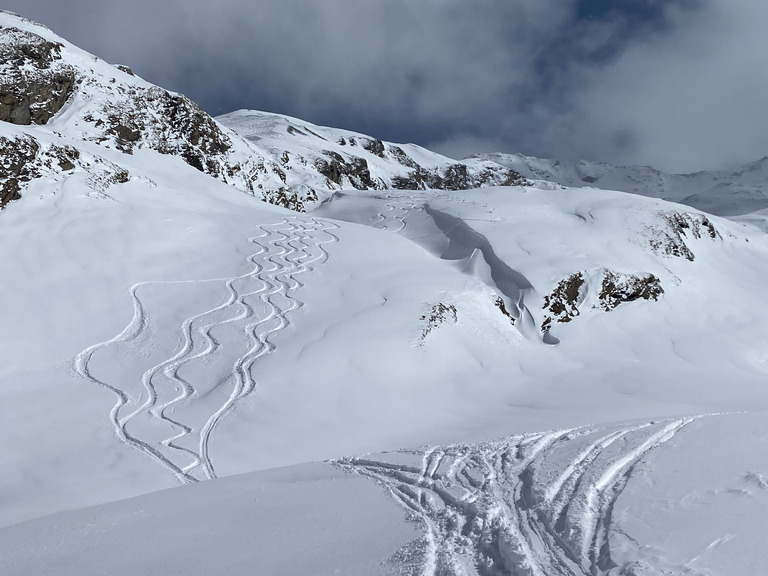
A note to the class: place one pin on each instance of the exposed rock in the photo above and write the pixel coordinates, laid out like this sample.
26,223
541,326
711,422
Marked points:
439,314
288,199
374,146
18,166
354,168
580,289
669,238
34,82
562,303
620,288
413,181
125,69
399,154
499,303
455,177
24,159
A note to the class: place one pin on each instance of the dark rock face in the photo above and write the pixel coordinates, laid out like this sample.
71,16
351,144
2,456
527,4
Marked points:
619,288
354,168
399,154
168,123
17,167
34,82
25,159
562,303
374,146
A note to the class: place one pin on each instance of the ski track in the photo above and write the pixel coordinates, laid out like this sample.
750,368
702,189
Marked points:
529,505
283,252
398,206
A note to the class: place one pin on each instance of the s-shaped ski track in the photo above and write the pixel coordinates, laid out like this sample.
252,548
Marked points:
257,305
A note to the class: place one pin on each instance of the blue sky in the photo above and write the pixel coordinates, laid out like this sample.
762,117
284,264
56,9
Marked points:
677,84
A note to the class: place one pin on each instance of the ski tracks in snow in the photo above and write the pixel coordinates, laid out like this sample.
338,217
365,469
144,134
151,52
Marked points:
530,505
183,394
397,206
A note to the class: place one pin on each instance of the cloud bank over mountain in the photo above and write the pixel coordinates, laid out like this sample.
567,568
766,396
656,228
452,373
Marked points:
675,84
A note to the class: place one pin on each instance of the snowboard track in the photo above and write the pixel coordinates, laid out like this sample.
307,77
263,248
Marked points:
530,505
257,304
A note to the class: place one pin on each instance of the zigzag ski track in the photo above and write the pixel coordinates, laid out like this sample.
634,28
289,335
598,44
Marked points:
219,349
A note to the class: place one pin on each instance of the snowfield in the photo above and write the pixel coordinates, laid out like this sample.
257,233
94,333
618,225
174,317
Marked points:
526,379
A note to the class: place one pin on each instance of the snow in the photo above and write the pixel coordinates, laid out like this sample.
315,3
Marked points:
310,519
178,356
733,193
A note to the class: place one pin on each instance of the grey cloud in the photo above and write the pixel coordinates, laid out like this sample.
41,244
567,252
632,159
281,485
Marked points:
515,75
693,100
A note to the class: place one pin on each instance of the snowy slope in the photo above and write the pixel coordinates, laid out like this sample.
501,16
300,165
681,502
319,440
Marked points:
545,380
740,191
664,497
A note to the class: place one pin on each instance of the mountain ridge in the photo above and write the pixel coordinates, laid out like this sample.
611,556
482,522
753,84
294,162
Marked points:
73,97
731,193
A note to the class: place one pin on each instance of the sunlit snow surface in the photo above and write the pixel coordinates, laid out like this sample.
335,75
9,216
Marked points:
172,329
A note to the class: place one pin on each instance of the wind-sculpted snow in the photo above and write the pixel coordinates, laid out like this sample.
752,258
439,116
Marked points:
530,505
172,409
448,237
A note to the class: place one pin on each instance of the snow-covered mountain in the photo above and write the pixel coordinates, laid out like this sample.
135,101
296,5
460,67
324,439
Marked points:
735,192
82,101
397,364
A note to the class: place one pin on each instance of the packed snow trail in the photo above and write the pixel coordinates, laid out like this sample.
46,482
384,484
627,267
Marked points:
219,348
530,505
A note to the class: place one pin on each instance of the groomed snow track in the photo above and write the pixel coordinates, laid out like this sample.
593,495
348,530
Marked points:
257,305
530,505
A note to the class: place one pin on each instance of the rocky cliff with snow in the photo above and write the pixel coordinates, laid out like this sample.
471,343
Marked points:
69,98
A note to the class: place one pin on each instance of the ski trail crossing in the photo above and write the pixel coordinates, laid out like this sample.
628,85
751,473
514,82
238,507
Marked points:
530,505
167,413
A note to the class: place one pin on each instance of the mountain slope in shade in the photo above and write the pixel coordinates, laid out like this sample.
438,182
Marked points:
736,192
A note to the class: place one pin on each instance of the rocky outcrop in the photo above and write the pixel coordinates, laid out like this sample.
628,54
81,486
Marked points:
17,167
344,160
173,124
669,239
335,167
562,303
619,288
456,177
600,289
438,315
34,81
24,159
